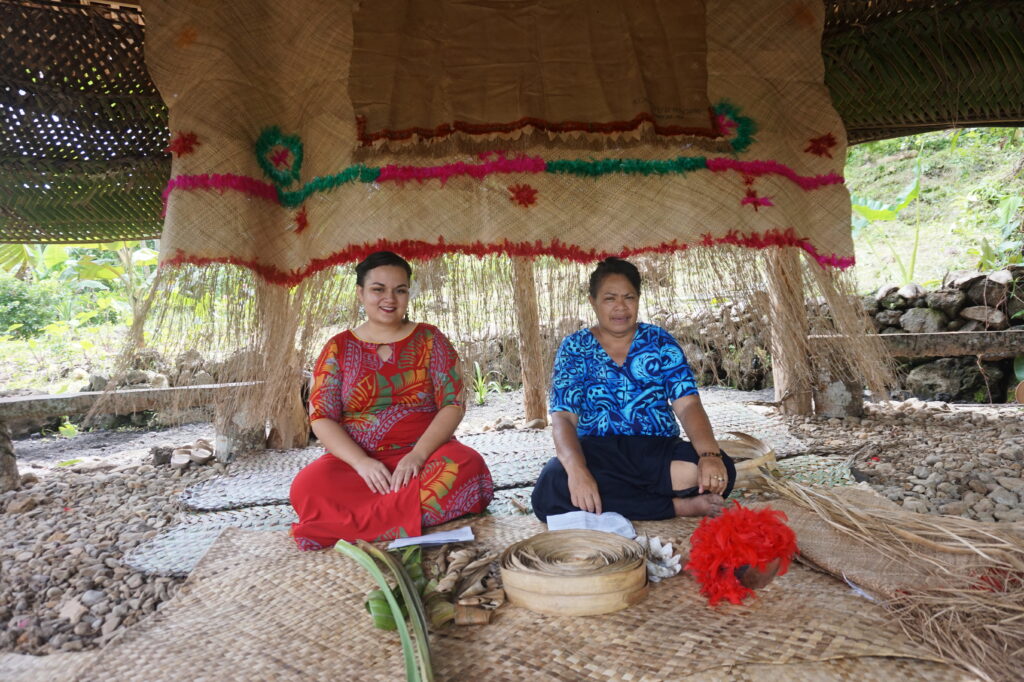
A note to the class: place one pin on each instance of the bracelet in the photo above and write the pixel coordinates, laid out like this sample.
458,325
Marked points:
712,454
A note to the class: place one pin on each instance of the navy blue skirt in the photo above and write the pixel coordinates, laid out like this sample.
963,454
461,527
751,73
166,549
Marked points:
633,475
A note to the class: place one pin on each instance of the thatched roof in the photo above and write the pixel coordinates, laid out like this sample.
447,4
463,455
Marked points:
82,128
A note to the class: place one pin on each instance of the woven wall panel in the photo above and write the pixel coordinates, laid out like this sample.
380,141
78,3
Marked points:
82,129
272,174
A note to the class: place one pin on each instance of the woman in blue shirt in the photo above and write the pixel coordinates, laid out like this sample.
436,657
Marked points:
616,391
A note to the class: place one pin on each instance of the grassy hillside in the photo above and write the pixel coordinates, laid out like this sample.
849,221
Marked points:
971,194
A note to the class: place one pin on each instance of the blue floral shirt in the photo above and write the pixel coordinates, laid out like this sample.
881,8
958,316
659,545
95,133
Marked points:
633,399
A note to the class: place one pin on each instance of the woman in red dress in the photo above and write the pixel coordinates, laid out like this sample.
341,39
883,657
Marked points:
385,402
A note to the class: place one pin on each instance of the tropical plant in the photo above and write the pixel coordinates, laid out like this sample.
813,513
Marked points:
867,211
26,307
483,384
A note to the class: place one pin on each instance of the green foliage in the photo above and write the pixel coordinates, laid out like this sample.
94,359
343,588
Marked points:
69,462
1018,367
416,655
965,214
483,384
866,211
67,429
26,308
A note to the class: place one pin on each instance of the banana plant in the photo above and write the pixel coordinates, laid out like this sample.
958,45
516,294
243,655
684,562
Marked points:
867,211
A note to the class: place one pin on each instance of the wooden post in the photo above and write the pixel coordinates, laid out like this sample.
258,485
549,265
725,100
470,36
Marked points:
531,358
9,478
289,421
791,362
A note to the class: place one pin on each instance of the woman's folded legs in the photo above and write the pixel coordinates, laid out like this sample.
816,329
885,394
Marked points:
640,477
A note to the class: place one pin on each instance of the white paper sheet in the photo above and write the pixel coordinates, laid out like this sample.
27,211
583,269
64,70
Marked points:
609,522
464,534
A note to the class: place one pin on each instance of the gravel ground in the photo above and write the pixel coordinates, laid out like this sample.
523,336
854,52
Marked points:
64,587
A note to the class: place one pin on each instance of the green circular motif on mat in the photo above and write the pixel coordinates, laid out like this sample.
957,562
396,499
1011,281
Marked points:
279,155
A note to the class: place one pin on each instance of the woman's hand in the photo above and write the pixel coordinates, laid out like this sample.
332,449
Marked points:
375,474
583,490
408,468
711,475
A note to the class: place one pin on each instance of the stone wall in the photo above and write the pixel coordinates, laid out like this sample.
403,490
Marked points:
966,301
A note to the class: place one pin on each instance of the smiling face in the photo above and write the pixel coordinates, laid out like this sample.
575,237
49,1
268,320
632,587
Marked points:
616,305
385,295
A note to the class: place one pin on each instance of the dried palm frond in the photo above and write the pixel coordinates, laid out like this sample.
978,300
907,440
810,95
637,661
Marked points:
963,595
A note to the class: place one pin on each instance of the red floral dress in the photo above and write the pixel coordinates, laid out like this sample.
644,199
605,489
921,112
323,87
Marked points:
385,406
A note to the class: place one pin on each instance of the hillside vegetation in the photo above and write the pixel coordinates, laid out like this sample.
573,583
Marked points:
965,213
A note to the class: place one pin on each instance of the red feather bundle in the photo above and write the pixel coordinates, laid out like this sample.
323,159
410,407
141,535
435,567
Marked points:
739,537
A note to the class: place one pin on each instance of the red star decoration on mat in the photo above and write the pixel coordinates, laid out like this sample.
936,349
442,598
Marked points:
280,158
524,195
820,146
754,200
182,144
726,125
301,221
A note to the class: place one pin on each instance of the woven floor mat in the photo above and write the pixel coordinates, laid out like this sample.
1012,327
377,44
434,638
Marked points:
515,459
257,608
176,551
254,479
53,668
726,415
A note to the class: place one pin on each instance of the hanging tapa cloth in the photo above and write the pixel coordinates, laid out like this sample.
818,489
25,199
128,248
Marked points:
309,133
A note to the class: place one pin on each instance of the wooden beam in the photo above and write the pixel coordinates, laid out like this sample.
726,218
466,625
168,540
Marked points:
989,345
531,357
791,370
120,402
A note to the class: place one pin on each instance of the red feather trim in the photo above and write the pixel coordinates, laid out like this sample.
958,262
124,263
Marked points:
740,536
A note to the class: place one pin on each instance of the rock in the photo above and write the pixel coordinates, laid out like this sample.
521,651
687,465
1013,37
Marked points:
28,480
911,291
915,504
893,302
72,611
110,623
504,424
923,320
949,301
1011,515
992,318
22,504
987,293
893,330
1014,485
954,508
868,303
889,318
91,598
160,455
200,456
972,326
136,376
160,381
984,505
954,325
535,424
885,290
202,378
962,279
1001,495
97,382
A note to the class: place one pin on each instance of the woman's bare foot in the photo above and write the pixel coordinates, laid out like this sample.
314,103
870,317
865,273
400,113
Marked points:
709,504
